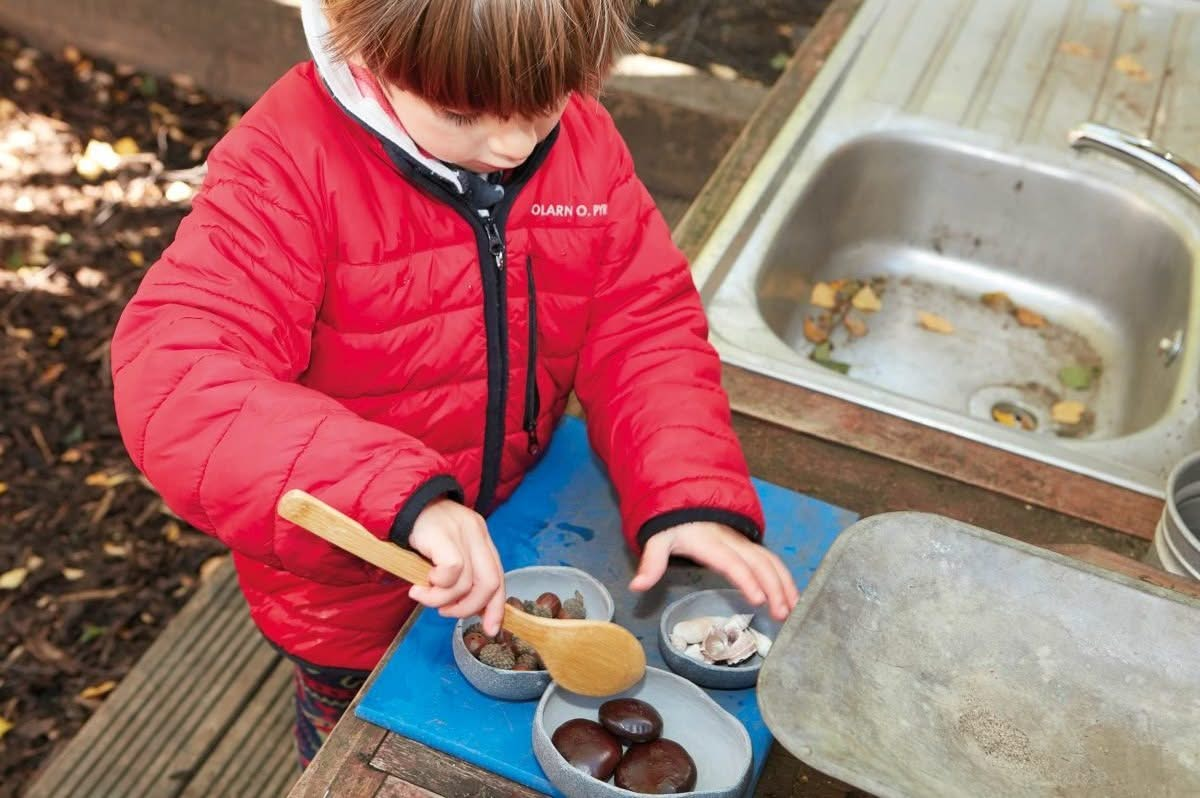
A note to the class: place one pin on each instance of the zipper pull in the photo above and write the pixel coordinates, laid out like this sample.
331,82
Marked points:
534,445
495,243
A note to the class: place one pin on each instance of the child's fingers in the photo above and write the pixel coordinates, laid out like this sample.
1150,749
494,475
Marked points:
494,613
653,564
447,561
768,580
729,563
785,576
485,582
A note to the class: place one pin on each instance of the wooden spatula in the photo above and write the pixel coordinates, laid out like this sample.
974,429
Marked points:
593,658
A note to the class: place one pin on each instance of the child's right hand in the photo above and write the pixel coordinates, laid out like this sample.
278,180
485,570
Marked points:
466,578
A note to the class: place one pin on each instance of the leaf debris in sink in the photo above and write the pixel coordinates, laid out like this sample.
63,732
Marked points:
866,300
1012,416
1069,412
855,326
1130,67
1029,318
935,323
1077,49
1078,377
998,300
822,354
824,296
817,330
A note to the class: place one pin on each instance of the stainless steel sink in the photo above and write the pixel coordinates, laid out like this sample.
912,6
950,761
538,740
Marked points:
931,160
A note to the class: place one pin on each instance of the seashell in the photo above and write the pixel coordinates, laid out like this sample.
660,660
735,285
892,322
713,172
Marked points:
741,648
694,630
737,623
693,651
762,642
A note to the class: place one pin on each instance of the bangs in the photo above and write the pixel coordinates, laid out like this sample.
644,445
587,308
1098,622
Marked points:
501,57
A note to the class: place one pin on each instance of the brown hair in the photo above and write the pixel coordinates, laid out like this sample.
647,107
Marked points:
502,57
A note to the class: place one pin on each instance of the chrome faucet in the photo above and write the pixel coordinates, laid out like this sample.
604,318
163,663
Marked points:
1141,152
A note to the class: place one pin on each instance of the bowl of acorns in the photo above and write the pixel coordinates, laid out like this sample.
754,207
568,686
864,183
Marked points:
663,736
716,638
506,666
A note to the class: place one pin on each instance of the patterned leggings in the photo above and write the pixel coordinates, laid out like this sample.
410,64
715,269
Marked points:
322,697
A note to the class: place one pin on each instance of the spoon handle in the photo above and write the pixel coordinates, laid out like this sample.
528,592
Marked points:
335,527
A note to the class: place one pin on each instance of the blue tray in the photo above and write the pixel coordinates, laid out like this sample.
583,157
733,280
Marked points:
564,513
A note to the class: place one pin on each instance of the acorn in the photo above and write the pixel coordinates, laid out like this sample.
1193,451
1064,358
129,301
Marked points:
550,602
527,662
541,611
497,655
475,628
513,601
573,608
520,647
475,641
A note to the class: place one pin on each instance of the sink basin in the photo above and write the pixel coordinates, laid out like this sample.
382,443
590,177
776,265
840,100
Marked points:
935,208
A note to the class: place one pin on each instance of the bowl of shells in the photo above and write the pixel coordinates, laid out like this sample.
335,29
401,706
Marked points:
506,666
663,736
715,638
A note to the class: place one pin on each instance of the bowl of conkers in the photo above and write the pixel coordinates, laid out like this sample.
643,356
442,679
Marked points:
663,736
716,639
506,666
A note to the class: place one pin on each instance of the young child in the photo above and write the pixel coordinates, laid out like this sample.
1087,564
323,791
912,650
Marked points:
403,260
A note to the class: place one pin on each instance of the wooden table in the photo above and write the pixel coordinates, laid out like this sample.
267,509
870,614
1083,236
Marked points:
836,451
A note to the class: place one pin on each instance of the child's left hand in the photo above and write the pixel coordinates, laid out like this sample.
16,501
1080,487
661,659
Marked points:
751,568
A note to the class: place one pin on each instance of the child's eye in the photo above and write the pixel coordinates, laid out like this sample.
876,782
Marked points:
461,120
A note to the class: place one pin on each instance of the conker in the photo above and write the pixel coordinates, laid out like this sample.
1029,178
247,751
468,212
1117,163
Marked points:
588,747
631,719
660,767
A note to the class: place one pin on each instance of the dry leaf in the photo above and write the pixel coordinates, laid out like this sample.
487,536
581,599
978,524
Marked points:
102,480
866,301
137,258
209,567
935,323
116,549
34,562
998,300
824,295
814,332
178,191
125,146
1068,412
1129,66
5,727
1126,5
73,574
3,488
52,373
856,326
1029,318
98,690
57,334
71,456
171,531
1076,48
13,579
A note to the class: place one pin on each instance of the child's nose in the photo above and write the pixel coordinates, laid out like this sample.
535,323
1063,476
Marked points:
514,140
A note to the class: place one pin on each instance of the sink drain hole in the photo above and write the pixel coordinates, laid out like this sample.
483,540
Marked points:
1011,414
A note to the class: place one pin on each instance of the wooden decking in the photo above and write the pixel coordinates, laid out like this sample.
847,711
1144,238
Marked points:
207,711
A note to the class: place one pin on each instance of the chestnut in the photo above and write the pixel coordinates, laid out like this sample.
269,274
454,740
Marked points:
513,601
631,719
660,767
588,747
549,601
475,641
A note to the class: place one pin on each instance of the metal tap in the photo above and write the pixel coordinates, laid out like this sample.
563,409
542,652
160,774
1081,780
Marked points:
1140,152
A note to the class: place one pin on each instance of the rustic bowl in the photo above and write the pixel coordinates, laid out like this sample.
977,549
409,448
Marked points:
716,740
713,602
529,583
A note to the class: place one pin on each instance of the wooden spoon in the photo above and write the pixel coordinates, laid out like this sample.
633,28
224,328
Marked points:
593,658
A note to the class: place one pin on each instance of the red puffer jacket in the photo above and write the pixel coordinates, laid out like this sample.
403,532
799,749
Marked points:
330,317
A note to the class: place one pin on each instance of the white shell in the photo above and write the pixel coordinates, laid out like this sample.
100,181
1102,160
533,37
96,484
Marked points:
737,623
693,651
762,642
693,630
741,648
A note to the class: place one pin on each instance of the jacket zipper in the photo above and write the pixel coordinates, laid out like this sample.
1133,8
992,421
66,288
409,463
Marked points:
532,399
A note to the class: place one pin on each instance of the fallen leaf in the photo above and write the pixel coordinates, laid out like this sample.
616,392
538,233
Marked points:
866,301
1007,419
814,332
210,566
3,488
824,296
171,531
34,562
98,157
71,456
822,354
1029,318
98,690
178,191
5,727
1126,5
935,323
73,574
137,258
101,479
1077,49
52,373
998,300
1068,412
1078,378
856,326
14,578
1129,66
115,549
57,334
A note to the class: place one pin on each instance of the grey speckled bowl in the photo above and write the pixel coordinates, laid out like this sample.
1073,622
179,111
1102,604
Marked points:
716,741
713,602
529,583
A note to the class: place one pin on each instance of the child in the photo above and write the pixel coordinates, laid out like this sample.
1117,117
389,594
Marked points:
403,260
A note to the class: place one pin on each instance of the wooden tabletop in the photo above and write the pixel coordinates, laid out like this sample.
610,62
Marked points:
832,450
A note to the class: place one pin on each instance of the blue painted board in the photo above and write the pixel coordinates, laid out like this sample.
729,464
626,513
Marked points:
564,513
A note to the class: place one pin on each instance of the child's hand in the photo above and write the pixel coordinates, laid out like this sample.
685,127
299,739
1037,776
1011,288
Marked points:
752,569
466,578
